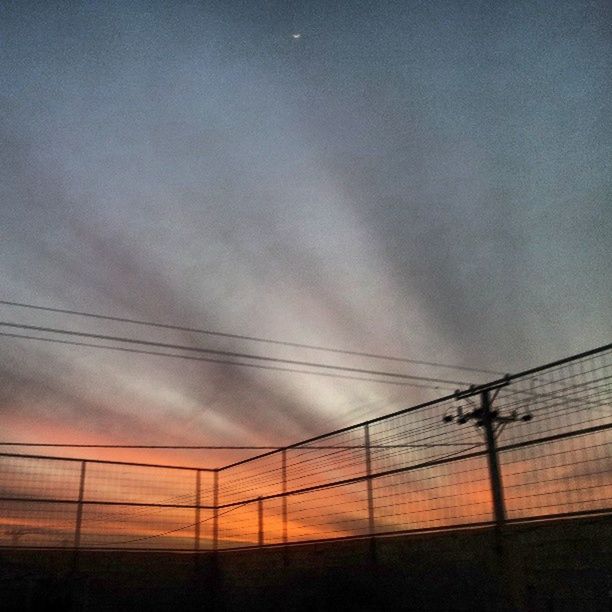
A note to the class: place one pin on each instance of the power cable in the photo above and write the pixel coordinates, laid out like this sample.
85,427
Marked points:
311,364
159,535
221,361
178,447
244,337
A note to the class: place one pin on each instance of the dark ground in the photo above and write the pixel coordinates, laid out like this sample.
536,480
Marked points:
560,566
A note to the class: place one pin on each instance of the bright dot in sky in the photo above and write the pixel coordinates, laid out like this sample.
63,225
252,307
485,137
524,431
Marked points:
296,35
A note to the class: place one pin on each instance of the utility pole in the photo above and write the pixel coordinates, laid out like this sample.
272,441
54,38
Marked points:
492,423
499,506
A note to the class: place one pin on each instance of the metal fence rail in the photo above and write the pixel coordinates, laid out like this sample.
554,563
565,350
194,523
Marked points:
528,446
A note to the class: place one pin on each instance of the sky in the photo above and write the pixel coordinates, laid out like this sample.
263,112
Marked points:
428,180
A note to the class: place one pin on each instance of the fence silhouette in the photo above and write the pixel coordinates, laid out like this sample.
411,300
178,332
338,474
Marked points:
530,446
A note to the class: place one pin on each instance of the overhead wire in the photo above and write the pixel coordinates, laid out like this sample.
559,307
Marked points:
330,459
179,447
348,461
244,337
159,535
126,516
225,362
164,345
421,430
334,484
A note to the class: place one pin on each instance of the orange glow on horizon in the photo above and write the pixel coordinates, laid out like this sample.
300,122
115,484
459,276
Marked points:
430,497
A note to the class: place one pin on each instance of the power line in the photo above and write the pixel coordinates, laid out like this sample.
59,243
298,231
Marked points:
213,447
243,337
227,353
147,446
221,361
164,533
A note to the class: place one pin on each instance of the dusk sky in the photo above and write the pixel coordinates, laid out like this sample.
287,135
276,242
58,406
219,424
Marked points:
428,180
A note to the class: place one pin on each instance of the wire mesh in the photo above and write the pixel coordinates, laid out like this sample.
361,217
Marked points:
206,535
206,488
28,523
119,527
333,458
239,526
140,484
251,479
428,473
420,437
331,512
273,523
564,476
444,495
33,513
39,478
563,399
413,470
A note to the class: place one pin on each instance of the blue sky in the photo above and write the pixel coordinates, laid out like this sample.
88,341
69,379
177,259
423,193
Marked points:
426,179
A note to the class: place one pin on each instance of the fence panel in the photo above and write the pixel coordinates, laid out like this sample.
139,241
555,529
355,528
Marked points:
251,479
52,502
443,495
571,475
331,512
139,484
238,526
560,400
333,458
423,468
37,524
39,478
145,527
420,437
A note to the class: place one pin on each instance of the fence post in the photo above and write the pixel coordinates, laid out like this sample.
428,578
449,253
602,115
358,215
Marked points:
260,526
79,515
284,491
216,511
196,543
368,462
